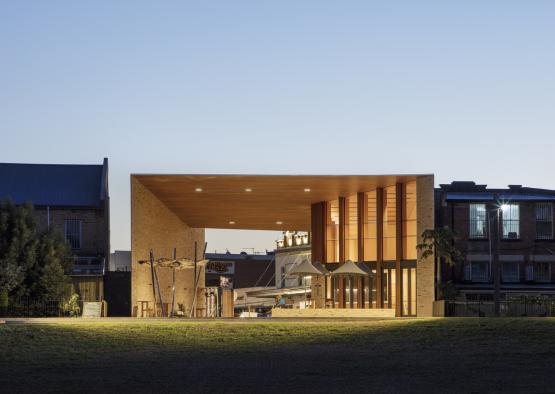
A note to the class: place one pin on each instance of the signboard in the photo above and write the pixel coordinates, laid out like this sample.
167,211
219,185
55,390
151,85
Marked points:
220,267
226,283
92,309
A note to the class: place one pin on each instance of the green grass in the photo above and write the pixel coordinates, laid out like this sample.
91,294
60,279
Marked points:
442,355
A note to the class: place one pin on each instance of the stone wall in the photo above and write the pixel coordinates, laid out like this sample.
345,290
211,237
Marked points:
154,226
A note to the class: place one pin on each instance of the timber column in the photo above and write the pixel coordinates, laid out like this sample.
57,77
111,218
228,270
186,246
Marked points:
318,252
379,246
398,248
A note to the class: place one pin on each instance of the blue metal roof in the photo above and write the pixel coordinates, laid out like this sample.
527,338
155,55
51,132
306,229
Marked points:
501,197
469,196
53,184
526,197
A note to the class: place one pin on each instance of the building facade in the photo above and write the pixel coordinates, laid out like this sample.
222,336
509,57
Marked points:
374,220
506,232
292,250
73,199
242,270
379,228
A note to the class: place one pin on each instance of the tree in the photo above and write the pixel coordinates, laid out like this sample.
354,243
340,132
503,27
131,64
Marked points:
55,264
11,276
440,243
31,264
18,246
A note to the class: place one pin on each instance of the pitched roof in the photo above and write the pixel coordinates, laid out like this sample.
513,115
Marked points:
54,184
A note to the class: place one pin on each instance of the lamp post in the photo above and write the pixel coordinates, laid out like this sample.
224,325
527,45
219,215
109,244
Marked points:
494,256
494,259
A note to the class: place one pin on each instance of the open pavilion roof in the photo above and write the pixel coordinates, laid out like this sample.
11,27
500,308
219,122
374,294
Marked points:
257,202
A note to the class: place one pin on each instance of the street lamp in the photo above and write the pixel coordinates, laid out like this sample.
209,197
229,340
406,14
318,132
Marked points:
501,207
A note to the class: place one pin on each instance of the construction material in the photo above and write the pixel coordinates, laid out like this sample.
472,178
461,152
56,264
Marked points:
163,309
173,282
152,275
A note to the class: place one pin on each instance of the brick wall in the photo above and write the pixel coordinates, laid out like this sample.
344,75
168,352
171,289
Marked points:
456,215
154,226
94,227
425,269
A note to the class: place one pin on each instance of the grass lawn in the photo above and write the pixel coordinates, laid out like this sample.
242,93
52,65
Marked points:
416,355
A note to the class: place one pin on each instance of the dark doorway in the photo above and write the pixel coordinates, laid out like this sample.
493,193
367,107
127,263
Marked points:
117,293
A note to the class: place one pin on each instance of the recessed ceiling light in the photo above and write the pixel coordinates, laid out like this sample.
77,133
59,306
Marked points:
279,222
306,189
248,189
198,189
231,222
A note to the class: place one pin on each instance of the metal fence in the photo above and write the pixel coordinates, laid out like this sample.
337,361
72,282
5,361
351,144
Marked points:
507,308
36,308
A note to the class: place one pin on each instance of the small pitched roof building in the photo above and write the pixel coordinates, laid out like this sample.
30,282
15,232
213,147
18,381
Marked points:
73,198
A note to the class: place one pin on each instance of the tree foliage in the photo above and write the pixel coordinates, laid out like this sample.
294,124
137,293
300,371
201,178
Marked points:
18,246
54,266
441,243
32,264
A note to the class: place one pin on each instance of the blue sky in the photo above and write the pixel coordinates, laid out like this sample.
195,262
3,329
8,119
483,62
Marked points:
465,90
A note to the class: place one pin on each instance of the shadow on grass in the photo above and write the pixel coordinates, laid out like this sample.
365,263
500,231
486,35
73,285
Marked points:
455,355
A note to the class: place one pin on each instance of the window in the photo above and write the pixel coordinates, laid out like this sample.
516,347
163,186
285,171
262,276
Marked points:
370,228
409,291
544,220
290,280
478,221
511,221
72,233
390,223
388,288
351,228
477,271
409,221
370,290
510,271
332,247
542,272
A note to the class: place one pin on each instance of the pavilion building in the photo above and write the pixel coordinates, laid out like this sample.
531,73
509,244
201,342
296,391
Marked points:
372,220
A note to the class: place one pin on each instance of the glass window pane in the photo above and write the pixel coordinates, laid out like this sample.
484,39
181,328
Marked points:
479,271
370,228
351,228
332,228
390,224
544,220
413,291
409,221
393,280
510,271
511,221
478,215
542,272
406,291
72,230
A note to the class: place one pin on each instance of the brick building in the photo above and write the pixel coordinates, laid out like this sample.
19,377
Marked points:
75,200
244,270
508,228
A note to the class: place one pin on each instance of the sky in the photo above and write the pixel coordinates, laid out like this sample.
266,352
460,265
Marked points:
464,90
